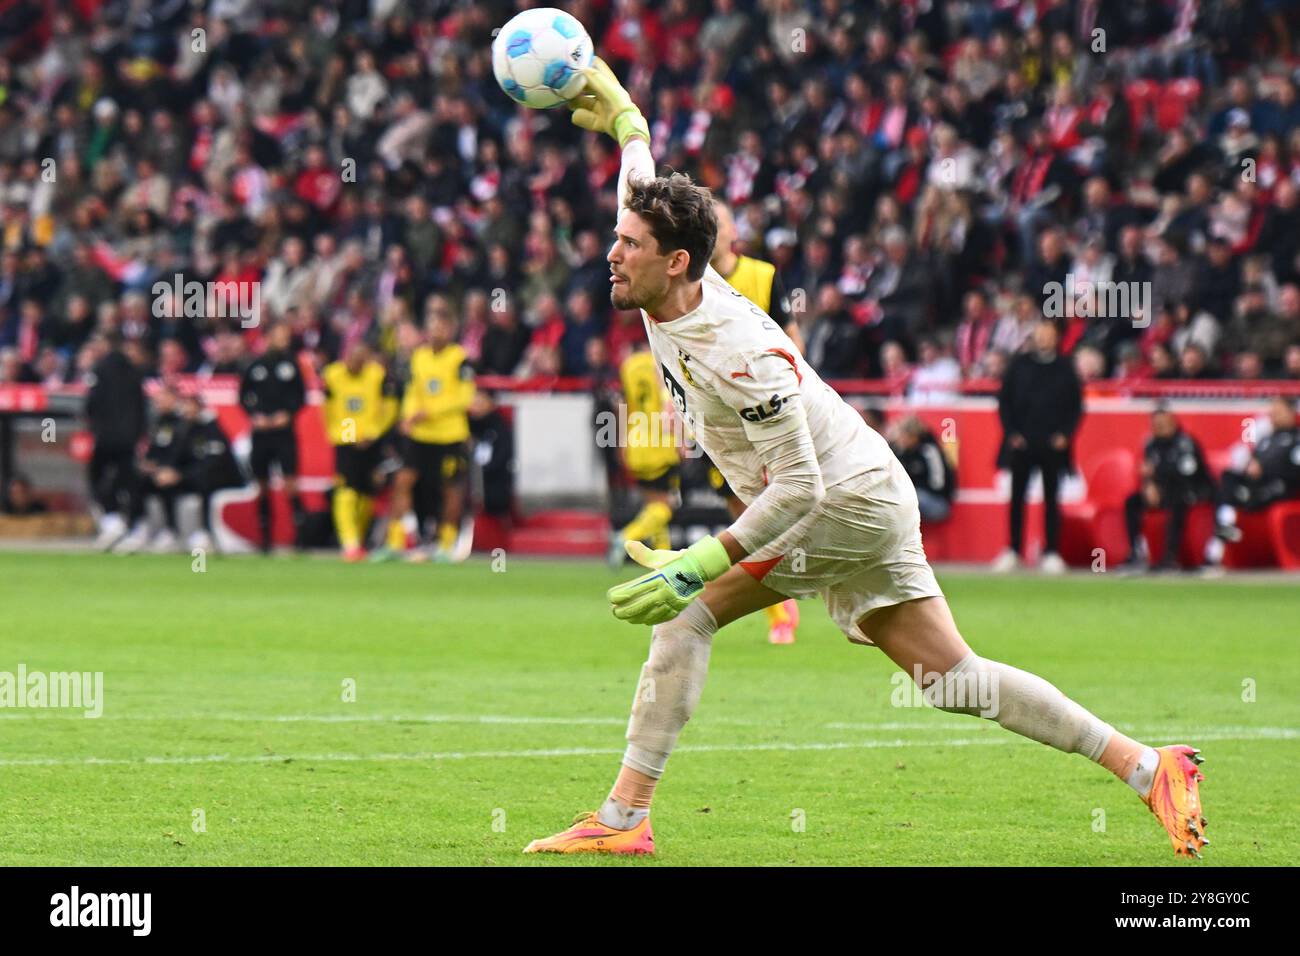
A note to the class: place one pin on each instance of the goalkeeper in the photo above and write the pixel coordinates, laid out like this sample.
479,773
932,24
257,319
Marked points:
829,512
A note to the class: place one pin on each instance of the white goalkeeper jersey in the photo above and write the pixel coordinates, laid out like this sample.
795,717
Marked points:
733,374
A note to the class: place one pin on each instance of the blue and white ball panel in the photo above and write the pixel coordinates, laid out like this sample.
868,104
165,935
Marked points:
519,43
566,26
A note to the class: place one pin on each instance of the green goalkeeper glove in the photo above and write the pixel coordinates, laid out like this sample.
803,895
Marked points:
606,107
677,580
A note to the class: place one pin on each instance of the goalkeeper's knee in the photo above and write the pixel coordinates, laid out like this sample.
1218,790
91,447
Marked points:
1021,702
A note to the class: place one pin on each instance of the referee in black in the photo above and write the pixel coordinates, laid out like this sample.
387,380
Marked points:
271,392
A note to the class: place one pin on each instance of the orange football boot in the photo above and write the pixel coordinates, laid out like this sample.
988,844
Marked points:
1175,798
589,835
782,619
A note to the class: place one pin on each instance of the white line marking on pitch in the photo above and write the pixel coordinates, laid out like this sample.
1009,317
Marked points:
1259,733
505,719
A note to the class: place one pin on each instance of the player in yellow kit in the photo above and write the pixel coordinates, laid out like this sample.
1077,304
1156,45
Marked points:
758,282
435,432
649,452
359,409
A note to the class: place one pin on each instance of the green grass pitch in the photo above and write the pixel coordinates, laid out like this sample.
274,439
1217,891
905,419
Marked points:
490,707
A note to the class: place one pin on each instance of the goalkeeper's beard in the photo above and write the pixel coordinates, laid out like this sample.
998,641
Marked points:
624,301
623,296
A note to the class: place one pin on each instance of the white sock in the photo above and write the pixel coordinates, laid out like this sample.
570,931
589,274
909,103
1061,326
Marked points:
619,816
1143,777
669,688
1021,702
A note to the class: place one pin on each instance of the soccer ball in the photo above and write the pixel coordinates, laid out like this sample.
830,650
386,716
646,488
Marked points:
538,57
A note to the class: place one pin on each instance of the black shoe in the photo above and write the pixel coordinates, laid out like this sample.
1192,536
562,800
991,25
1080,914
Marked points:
1167,566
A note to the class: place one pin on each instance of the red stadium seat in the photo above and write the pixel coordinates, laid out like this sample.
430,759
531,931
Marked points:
1173,102
1255,549
1284,529
1196,534
1098,522
1111,477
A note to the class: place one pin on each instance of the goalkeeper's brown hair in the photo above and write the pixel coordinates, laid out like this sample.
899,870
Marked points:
680,216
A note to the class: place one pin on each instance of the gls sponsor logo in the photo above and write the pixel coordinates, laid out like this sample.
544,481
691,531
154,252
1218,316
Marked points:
760,412
103,909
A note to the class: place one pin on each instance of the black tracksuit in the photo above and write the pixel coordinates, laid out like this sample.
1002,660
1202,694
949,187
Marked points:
1278,455
200,452
928,467
1039,398
273,383
1181,479
493,444
115,408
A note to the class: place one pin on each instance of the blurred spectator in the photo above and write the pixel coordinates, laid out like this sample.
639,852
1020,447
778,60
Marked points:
157,474
1192,363
920,152
504,343
1272,474
836,343
974,332
931,472
1291,362
580,328
19,499
1174,477
1089,364
936,377
1246,366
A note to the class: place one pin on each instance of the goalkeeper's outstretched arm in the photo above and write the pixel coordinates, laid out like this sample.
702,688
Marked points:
637,164
606,107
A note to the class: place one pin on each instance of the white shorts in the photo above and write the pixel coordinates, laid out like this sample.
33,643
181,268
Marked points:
860,549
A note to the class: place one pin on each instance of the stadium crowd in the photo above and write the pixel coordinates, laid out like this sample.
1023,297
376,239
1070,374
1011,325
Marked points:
918,172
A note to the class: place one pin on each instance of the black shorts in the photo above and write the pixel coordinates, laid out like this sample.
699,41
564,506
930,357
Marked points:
442,463
718,481
274,445
355,466
669,480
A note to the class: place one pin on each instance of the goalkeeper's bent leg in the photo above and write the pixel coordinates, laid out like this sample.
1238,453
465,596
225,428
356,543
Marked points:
667,693
1030,706
921,637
